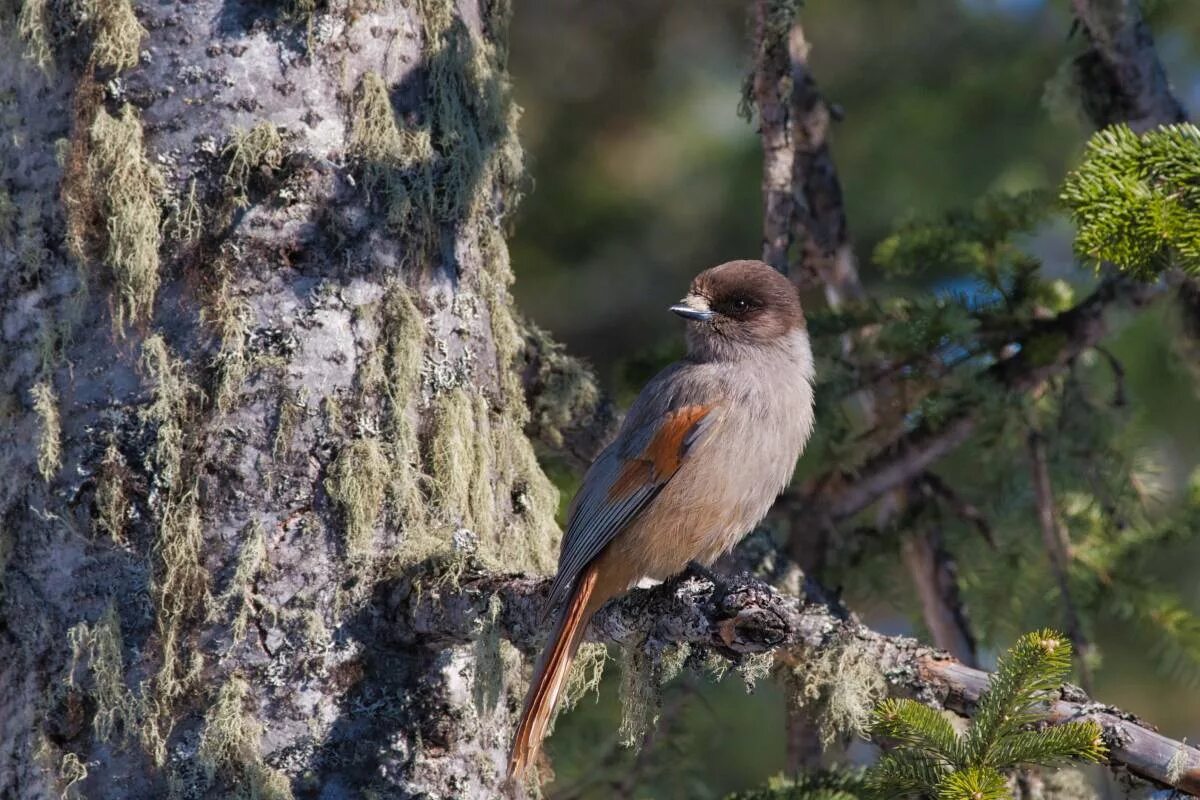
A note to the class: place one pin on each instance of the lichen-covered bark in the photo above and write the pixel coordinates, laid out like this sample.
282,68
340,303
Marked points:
258,370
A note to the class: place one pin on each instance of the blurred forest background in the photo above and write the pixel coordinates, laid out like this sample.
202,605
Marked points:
643,173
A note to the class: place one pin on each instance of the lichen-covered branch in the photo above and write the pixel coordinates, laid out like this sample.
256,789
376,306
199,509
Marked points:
749,619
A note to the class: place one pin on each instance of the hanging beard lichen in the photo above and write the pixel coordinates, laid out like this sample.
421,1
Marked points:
126,186
49,445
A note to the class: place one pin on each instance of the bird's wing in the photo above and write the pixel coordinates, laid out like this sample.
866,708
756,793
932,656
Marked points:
626,477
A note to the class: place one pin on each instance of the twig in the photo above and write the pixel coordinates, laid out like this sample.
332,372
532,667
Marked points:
935,575
1058,548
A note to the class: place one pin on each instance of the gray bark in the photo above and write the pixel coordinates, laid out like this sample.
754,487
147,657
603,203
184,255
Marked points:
266,360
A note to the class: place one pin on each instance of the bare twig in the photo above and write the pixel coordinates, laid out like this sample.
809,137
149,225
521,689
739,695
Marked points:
1058,548
935,575
751,617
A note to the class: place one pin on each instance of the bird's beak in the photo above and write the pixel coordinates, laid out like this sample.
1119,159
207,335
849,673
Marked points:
693,307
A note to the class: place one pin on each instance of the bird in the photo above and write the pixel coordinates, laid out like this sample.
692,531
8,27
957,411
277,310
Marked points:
699,459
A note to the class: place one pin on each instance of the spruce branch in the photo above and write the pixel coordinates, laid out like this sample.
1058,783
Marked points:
932,759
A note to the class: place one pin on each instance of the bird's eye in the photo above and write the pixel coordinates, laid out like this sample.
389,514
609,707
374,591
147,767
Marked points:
738,305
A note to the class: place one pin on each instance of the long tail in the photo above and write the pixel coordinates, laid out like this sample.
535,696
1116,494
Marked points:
551,673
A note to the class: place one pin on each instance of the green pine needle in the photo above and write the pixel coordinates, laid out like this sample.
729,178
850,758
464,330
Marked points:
931,759
1135,199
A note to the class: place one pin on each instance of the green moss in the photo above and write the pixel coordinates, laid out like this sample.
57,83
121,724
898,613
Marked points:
118,33
33,25
357,482
259,149
112,499
472,119
126,187
49,444
231,749
100,646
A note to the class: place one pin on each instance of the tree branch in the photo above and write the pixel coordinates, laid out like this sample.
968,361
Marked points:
749,618
766,89
1120,75
1046,350
1058,549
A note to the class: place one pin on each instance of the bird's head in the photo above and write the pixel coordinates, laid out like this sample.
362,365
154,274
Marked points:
738,308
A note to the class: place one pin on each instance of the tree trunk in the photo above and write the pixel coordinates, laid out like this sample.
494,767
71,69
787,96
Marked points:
259,376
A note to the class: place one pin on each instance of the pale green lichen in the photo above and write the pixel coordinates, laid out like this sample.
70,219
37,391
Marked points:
587,670
112,499
568,391
754,667
375,138
395,162
452,454
357,483
8,217
643,674
168,411
99,646
180,587
292,406
488,685
70,772
841,685
403,329
33,25
126,186
6,548
1067,783
185,221
231,749
239,596
259,149
1179,763
118,33
232,319
49,444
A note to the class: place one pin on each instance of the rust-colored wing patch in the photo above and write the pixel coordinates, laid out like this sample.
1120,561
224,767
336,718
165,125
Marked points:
663,453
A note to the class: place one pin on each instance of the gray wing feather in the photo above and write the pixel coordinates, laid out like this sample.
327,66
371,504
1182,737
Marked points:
595,518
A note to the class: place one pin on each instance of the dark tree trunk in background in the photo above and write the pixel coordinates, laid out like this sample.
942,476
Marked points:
258,380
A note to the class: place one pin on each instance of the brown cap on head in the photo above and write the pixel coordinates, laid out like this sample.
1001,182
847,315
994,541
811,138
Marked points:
743,301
